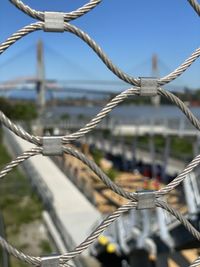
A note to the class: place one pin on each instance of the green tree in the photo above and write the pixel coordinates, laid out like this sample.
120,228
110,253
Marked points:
24,111
65,116
19,111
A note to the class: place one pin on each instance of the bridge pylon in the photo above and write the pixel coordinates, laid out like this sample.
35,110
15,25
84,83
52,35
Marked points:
155,100
40,86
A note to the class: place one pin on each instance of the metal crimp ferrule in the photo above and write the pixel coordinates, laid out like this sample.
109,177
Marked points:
148,86
52,146
146,199
50,261
54,22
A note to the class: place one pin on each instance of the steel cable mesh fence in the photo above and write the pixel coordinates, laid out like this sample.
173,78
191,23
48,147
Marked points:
59,145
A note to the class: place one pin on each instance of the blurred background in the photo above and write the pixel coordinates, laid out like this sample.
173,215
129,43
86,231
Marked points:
53,84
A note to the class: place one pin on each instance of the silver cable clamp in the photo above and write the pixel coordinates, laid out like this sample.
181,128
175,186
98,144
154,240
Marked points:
54,22
148,86
146,199
52,146
50,261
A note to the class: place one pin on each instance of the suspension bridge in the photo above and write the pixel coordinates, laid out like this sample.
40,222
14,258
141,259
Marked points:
51,88
131,237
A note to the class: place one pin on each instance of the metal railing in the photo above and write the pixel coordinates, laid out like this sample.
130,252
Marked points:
48,146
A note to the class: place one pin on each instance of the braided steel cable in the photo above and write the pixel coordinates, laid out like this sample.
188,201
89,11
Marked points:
92,237
181,69
18,254
87,39
111,218
101,115
76,13
19,130
79,249
104,224
119,190
179,217
119,99
174,183
196,263
119,73
195,5
174,99
92,124
19,34
67,16
100,53
26,155
105,179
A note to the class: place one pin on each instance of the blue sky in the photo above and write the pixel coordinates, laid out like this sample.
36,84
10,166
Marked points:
128,31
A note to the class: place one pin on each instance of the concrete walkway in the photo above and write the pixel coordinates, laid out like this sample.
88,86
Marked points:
75,216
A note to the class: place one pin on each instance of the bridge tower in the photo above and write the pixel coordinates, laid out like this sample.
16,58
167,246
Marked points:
40,84
155,73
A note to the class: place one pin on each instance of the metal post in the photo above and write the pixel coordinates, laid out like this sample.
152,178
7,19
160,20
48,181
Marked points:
152,154
190,198
123,152
134,148
121,234
181,126
196,146
110,142
113,144
166,157
41,100
146,226
102,143
164,233
155,100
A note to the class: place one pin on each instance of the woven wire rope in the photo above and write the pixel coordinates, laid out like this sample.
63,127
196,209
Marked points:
67,16
134,91
195,5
